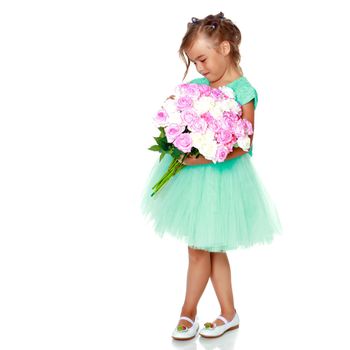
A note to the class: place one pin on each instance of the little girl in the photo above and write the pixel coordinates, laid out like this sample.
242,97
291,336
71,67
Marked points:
213,207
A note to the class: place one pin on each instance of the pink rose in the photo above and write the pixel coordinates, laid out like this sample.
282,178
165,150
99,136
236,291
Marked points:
217,94
161,117
248,126
239,129
192,91
205,90
221,153
231,143
223,136
214,125
184,102
184,142
172,131
228,123
198,125
207,117
188,115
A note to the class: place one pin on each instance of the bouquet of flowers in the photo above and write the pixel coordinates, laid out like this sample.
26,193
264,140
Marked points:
199,120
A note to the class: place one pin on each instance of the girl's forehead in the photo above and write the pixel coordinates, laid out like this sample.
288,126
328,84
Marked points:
199,47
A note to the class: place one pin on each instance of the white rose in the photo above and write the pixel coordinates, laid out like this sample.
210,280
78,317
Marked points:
209,136
203,104
175,118
216,110
228,104
227,91
236,108
170,105
197,139
206,144
244,142
209,150
178,91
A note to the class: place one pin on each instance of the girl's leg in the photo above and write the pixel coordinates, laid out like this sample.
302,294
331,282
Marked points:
197,278
221,280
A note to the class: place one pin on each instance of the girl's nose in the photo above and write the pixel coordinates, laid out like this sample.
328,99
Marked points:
199,67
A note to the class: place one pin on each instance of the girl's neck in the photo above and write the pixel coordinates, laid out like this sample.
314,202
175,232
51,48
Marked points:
228,78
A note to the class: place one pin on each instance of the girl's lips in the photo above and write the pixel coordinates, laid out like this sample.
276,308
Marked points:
205,74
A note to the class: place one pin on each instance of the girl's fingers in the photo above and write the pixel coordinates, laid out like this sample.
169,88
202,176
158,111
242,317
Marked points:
172,97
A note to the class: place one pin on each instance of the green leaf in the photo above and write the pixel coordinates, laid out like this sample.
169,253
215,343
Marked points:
162,142
162,131
176,153
162,155
154,148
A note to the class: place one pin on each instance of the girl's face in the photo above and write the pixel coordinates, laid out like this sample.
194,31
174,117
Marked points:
209,62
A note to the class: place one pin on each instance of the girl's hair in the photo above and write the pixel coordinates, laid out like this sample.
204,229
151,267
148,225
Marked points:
217,28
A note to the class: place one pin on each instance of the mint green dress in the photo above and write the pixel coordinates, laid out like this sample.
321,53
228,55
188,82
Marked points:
213,207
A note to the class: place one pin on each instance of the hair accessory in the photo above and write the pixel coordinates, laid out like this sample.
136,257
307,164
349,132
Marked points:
221,15
214,25
195,19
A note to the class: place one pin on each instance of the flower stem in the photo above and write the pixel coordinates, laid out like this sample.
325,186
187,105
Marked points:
174,167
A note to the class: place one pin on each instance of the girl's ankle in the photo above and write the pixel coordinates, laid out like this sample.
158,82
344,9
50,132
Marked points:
189,313
229,312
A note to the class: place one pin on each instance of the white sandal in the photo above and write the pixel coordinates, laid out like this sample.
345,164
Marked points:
212,330
185,333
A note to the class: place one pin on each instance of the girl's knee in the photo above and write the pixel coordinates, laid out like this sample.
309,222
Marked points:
197,254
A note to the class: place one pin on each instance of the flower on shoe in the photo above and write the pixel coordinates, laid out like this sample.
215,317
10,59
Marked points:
209,325
181,328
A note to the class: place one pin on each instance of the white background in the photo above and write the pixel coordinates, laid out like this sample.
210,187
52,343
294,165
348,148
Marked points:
79,266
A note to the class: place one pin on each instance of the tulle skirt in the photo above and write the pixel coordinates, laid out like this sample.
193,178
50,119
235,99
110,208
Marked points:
214,207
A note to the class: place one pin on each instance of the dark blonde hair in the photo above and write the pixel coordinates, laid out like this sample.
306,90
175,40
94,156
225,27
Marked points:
217,28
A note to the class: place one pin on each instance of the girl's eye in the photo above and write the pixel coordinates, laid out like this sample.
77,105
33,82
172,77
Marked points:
201,61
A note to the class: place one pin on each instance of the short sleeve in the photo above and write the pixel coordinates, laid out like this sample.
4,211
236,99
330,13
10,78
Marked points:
245,92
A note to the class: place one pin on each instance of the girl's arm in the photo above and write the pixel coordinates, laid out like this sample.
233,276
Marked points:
247,113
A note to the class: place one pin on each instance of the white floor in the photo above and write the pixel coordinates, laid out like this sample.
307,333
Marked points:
81,292
286,296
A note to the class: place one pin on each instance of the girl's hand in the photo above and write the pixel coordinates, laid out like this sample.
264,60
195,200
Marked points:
190,160
171,96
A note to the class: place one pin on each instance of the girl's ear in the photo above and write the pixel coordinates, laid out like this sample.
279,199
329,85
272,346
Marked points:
225,47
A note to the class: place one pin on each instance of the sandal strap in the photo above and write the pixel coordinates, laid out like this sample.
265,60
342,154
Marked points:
187,319
222,318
